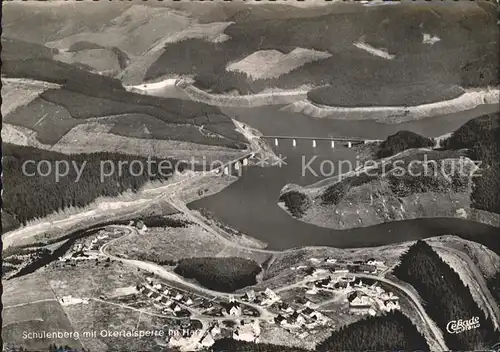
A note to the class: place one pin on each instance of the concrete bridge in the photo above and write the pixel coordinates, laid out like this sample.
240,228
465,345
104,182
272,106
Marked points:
346,141
234,166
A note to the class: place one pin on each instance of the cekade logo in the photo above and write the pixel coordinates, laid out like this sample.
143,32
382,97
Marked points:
458,326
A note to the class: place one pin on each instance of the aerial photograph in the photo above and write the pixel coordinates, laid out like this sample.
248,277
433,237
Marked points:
240,176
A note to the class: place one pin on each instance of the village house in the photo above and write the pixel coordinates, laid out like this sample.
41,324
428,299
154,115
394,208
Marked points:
280,319
271,297
232,309
188,302
312,291
365,268
390,305
358,299
249,296
178,297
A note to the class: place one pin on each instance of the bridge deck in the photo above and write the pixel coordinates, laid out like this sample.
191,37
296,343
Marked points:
346,139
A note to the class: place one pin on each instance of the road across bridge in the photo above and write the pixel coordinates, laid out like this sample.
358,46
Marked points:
349,141
334,138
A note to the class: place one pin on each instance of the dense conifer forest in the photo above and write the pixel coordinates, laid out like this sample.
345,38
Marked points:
230,345
390,332
481,136
402,140
446,297
29,197
220,274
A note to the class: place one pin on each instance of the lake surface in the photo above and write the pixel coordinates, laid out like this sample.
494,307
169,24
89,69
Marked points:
250,204
271,121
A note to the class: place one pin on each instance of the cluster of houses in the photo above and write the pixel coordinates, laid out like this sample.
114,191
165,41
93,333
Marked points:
171,300
302,321
262,298
366,299
369,266
362,298
86,250
244,330
180,303
304,318
334,283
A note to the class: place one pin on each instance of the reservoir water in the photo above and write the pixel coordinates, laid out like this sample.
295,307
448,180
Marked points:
250,204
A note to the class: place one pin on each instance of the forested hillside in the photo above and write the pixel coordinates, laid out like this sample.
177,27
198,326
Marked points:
230,345
402,140
29,197
481,136
86,95
418,73
220,274
390,332
446,297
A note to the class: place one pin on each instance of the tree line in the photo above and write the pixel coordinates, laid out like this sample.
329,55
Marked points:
390,332
447,298
481,136
220,274
30,197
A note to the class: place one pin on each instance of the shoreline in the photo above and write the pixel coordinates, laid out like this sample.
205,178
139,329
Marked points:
358,211
399,114
297,102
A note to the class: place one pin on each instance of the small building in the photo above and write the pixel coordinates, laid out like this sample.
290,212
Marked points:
279,319
249,296
231,309
178,297
360,302
140,225
307,311
365,268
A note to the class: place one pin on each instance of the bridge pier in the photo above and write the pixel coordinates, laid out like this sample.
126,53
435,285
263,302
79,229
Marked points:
314,143
294,142
276,142
226,170
349,144
245,162
333,144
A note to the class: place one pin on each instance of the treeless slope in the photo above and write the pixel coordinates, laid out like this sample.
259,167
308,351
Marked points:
264,64
134,31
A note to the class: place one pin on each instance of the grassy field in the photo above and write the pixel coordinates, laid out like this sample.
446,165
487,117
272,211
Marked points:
36,317
161,245
29,305
105,278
